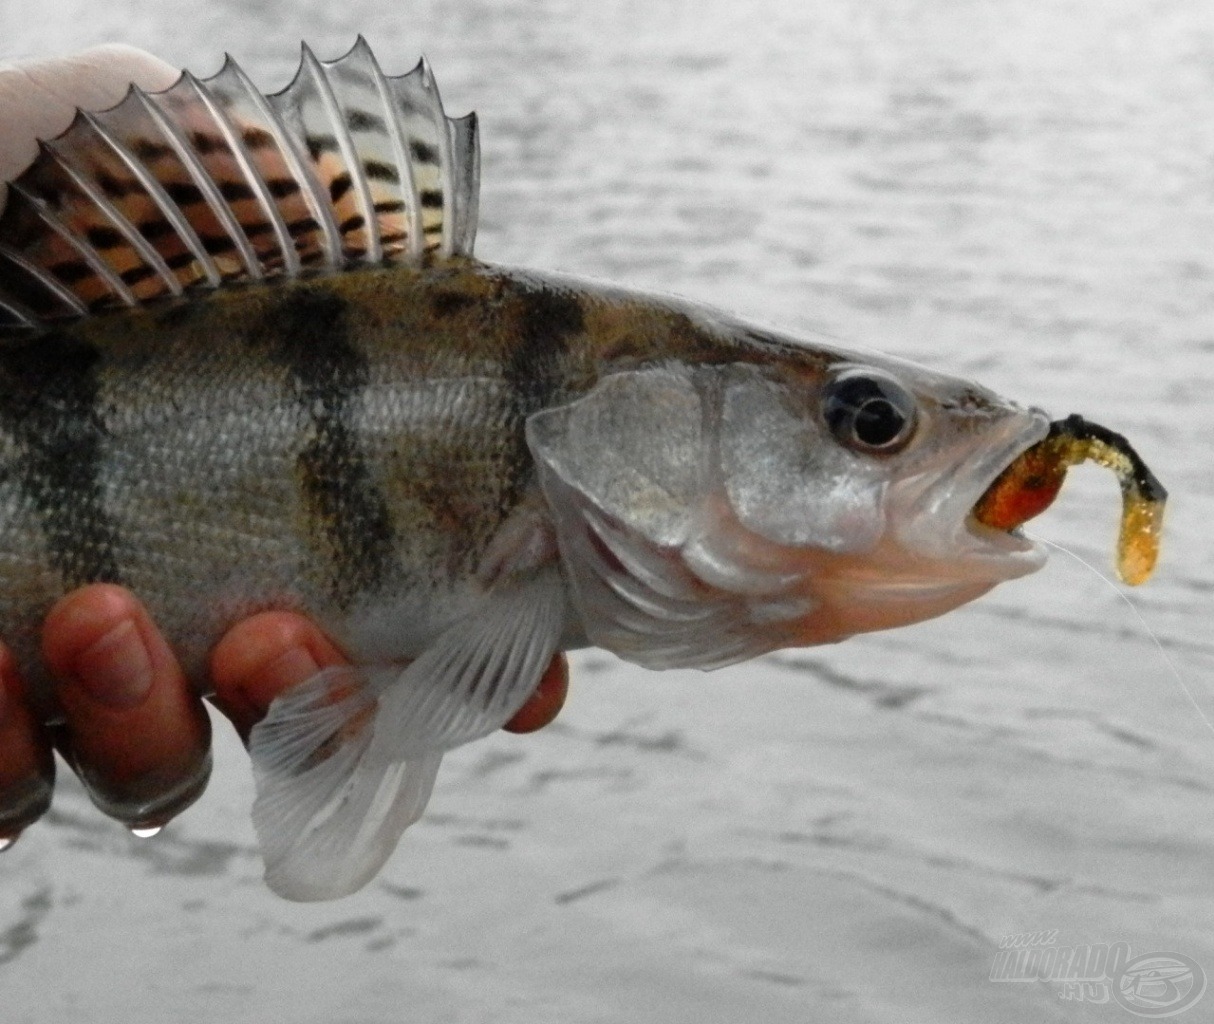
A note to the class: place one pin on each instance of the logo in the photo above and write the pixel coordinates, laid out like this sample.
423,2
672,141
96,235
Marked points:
1160,984
1151,985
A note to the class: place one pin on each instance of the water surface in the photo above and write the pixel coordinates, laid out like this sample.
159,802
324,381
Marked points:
1023,193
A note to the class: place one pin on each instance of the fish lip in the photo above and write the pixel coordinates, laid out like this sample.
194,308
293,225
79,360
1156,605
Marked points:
943,529
984,470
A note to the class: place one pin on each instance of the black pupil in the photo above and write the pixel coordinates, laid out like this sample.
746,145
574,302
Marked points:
878,422
868,412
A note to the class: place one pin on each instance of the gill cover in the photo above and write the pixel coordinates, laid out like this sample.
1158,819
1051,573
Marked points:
689,504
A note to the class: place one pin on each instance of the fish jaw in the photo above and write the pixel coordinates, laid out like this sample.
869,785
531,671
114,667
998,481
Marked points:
704,517
936,521
935,556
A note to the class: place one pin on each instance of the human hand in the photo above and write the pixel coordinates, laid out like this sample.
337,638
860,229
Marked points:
134,729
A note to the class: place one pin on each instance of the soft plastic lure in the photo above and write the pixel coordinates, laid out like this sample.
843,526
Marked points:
1029,485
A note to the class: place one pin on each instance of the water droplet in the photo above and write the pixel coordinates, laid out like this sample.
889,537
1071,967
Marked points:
147,833
7,842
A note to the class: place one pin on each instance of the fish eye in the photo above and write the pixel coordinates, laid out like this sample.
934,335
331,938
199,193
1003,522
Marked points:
869,412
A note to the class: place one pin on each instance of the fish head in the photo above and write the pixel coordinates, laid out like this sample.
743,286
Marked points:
709,512
911,453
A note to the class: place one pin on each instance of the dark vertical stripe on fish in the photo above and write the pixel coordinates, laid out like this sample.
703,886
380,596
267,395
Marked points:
547,321
348,516
48,405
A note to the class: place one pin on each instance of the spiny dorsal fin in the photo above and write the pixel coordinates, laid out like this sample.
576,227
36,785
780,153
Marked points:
210,181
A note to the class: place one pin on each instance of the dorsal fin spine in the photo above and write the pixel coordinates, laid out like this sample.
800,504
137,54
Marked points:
85,184
447,247
165,206
24,317
345,145
255,181
404,161
226,217
319,209
148,254
47,280
465,143
90,255
203,180
196,173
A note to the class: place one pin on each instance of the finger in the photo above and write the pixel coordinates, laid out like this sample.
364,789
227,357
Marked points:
39,99
547,700
27,762
135,731
263,656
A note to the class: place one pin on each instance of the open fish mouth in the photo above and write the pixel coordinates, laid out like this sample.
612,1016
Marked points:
982,476
1031,481
938,525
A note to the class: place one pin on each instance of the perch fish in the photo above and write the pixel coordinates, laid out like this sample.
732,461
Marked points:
248,361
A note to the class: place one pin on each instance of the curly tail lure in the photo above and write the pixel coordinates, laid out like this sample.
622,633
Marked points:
1029,485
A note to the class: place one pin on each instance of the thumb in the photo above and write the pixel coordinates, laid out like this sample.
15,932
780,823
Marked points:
39,98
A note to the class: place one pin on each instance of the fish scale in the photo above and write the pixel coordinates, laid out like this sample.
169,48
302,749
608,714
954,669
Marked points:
248,361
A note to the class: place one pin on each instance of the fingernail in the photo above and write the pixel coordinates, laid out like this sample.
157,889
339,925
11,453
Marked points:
117,670
24,803
152,800
294,666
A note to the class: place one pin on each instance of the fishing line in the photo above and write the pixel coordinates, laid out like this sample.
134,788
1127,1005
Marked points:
1167,660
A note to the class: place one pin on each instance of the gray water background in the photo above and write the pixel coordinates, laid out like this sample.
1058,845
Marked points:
1019,192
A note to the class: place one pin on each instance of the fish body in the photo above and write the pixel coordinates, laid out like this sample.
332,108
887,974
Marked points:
349,446
248,361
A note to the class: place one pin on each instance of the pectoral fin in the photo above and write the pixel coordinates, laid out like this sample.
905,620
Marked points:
345,762
651,605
